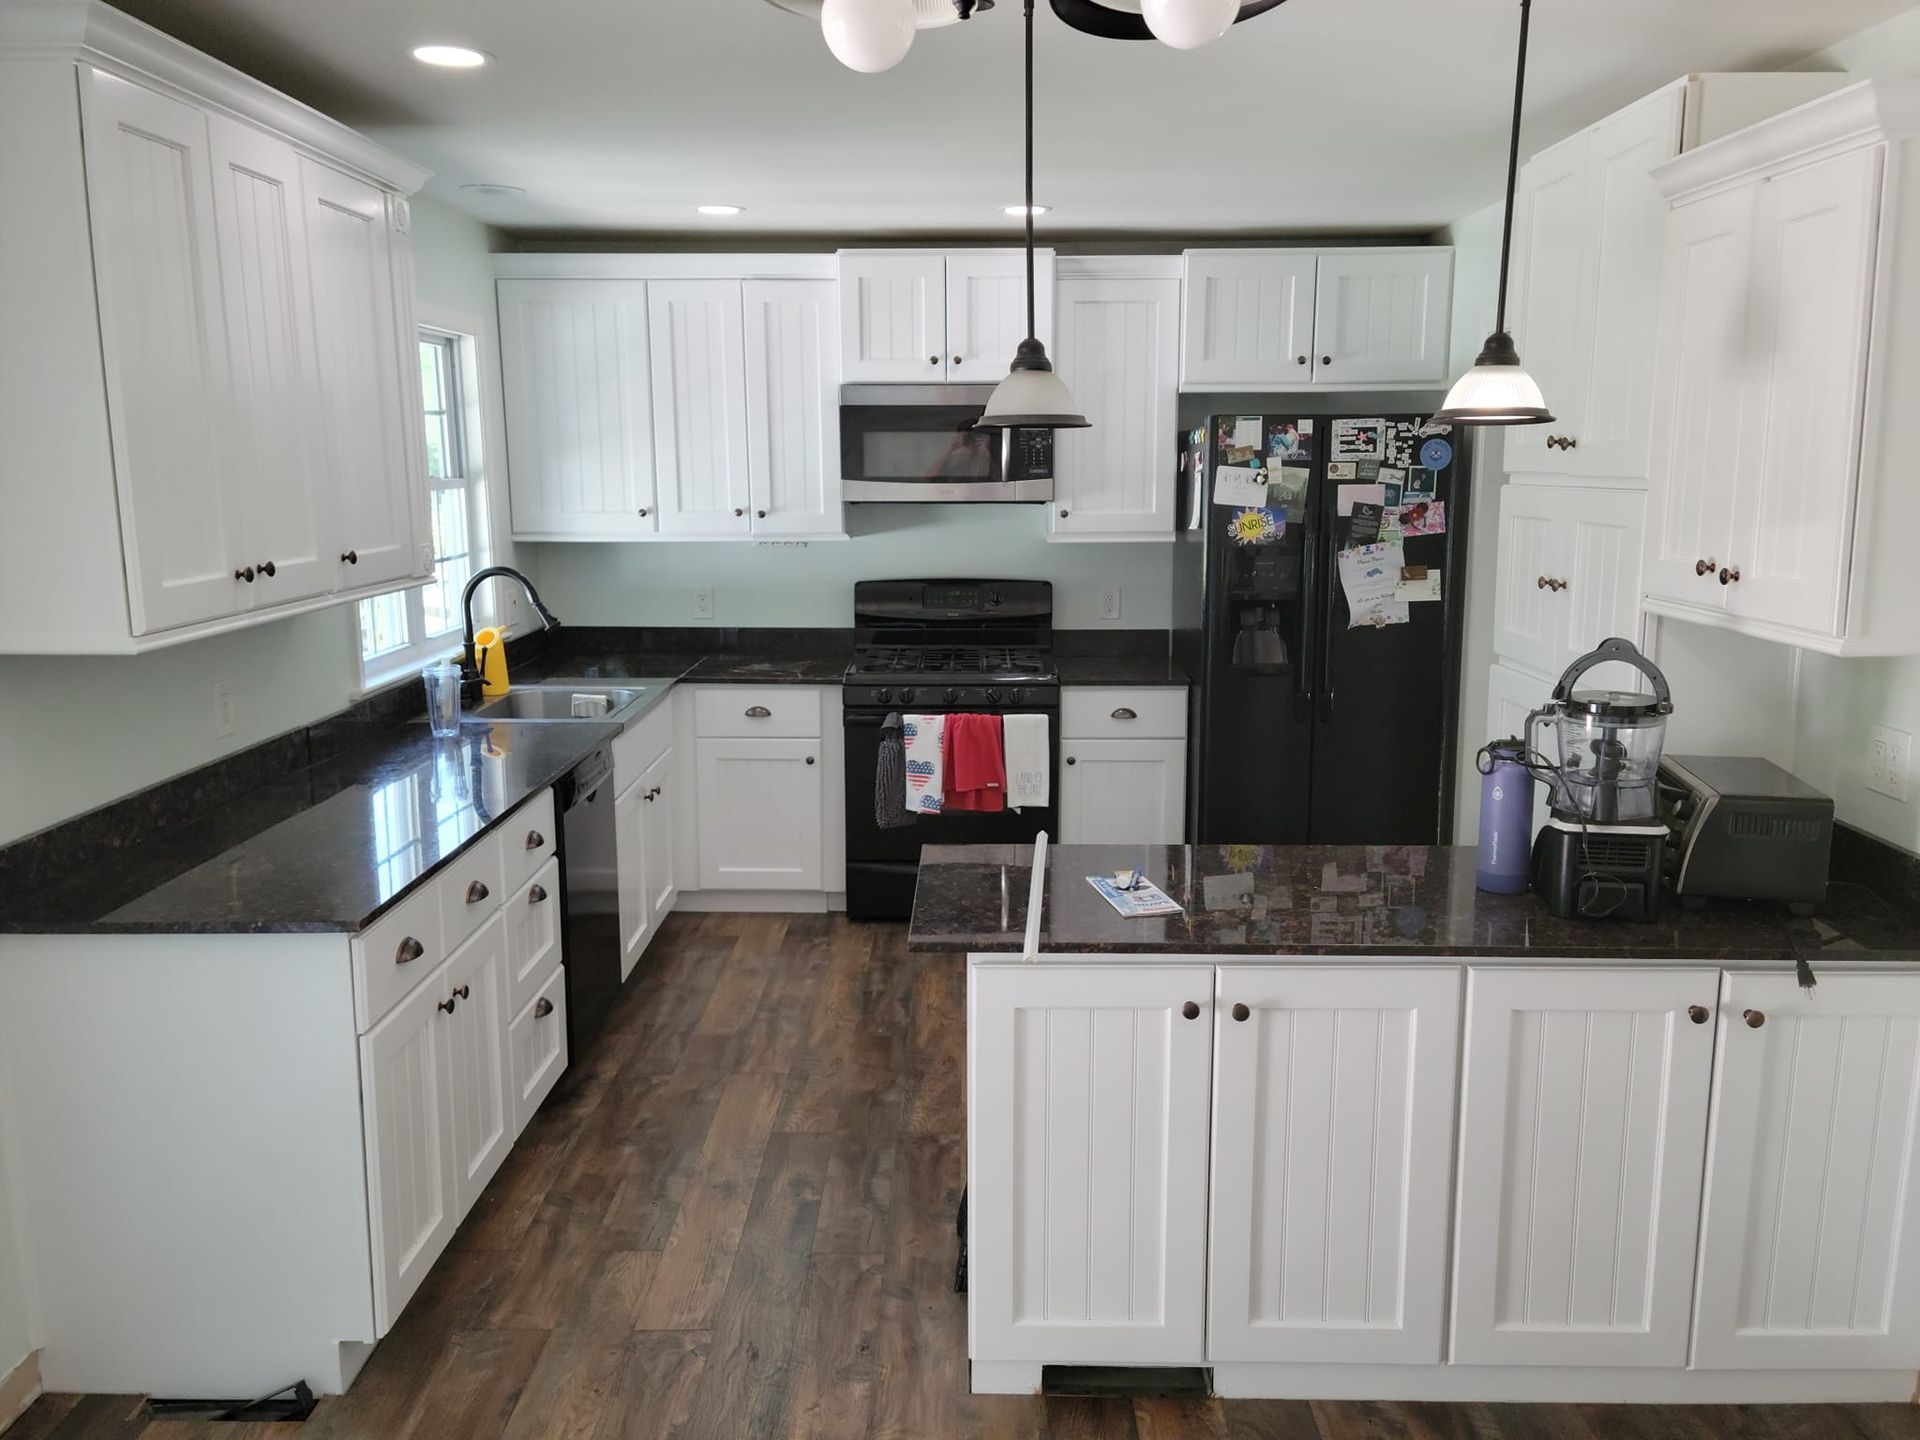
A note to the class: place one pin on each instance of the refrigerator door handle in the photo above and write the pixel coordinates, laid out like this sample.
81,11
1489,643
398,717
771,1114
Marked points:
1323,691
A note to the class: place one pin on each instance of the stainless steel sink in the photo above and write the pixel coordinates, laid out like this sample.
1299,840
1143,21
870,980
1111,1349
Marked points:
602,704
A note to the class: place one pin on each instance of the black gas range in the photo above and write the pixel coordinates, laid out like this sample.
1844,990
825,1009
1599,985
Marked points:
938,647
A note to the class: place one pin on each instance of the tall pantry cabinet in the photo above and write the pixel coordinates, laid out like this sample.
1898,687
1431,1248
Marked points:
210,342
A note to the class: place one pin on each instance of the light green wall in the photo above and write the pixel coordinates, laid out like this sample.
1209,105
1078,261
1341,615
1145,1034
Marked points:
76,733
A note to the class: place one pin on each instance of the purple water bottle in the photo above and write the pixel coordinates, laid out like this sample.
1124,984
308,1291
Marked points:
1506,818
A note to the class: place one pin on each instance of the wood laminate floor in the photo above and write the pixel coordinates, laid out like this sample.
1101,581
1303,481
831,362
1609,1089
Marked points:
735,1219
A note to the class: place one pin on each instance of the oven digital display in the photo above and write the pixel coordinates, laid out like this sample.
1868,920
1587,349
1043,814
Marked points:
950,597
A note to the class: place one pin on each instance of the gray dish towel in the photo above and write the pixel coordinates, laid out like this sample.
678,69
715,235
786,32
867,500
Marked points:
890,778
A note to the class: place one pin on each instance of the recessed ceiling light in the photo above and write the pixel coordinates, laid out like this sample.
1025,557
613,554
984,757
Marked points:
488,188
721,209
451,57
1022,210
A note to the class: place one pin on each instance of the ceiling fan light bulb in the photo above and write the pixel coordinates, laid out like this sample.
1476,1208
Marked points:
1189,24
868,35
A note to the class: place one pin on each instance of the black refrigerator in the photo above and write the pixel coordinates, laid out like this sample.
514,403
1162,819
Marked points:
1319,592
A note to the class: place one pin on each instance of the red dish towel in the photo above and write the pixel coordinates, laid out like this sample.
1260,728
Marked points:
975,763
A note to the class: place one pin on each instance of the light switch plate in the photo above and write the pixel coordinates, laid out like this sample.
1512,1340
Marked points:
1889,758
703,604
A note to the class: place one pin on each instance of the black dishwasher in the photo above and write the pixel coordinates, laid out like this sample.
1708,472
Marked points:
590,917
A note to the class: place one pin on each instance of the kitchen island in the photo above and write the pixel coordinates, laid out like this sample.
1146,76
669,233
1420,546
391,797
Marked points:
1348,1128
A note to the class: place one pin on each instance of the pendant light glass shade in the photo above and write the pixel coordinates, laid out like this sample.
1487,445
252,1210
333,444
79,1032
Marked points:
1189,24
1032,397
868,35
1498,390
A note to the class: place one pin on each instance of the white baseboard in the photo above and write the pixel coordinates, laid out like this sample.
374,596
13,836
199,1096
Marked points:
19,1389
761,902
1560,1384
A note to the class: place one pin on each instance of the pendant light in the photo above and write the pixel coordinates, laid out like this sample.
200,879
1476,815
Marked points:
868,35
1498,390
1032,397
1189,24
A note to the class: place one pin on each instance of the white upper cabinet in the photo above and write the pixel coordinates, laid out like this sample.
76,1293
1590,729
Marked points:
793,414
275,470
150,191
921,317
579,398
369,379
1569,577
1118,350
209,340
1789,342
699,406
1551,232
1289,319
1380,317
1249,319
1332,1163
1810,1230
1583,1117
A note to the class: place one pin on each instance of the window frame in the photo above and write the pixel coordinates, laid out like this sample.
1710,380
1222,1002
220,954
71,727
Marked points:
464,425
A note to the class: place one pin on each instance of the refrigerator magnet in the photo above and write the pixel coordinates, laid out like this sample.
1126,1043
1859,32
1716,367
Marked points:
1288,485
1358,439
1436,454
1429,517
1341,470
1420,483
1234,485
1258,526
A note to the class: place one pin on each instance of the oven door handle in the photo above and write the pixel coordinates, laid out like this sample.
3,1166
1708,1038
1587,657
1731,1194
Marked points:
865,722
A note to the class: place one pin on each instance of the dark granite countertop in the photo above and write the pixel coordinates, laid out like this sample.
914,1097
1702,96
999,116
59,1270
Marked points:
1150,672
327,848
770,667
1320,900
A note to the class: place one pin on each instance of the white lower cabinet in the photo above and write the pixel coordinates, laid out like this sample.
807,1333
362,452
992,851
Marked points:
1810,1231
630,843
657,829
537,1048
478,1087
1088,1163
1332,1163
1583,1116
1123,766
759,813
532,917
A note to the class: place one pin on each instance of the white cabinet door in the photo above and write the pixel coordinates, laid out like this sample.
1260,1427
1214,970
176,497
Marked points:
1608,414
893,317
699,406
630,845
407,1116
579,395
1601,598
759,811
656,828
1512,695
1119,354
1530,619
150,195
1815,233
1381,317
1583,1118
479,1070
283,507
1122,792
793,406
1551,235
1249,319
537,1042
987,311
1699,419
1332,1164
1087,1155
531,913
369,406
1810,1232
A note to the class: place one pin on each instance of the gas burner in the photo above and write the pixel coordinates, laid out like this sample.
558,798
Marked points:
993,662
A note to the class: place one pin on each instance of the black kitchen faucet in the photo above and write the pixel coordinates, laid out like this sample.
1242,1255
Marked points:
469,662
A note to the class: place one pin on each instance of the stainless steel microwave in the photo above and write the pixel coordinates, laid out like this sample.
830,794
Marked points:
918,442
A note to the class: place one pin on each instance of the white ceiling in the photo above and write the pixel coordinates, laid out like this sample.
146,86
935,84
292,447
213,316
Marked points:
1360,116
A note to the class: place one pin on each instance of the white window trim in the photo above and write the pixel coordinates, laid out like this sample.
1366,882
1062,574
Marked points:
395,665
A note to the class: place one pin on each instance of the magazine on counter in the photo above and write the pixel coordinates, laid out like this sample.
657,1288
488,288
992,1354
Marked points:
1148,899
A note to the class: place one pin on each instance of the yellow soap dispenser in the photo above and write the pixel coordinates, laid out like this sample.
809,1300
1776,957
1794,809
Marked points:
490,651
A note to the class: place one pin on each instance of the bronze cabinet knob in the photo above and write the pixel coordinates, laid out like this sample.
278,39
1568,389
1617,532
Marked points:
1702,567
410,950
1754,1018
643,510
535,839
477,891
1729,577
809,759
542,1008
1241,1012
1698,1014
1190,1010
956,360
1299,359
449,1005
933,359
245,573
1326,359
1063,514
759,514
266,569
1072,761
738,512
352,557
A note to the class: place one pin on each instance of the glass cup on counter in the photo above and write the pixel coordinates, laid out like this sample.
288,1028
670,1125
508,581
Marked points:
443,699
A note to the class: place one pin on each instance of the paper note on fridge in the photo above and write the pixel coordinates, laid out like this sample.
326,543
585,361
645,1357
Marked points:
1233,485
1347,496
1370,574
1288,484
1418,582
1247,431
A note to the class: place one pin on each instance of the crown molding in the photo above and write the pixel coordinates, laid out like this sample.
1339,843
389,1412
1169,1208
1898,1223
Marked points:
1863,114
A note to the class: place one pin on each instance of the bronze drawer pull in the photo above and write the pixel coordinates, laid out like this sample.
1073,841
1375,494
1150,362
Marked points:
542,1008
410,950
537,894
477,891
759,712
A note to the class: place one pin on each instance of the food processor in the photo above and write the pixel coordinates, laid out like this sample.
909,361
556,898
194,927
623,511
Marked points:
1602,852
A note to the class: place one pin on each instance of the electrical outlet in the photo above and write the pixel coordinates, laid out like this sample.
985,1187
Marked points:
1889,757
223,722
1109,602
703,603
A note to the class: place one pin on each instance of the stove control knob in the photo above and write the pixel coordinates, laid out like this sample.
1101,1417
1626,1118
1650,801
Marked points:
906,697
881,697
952,697
993,695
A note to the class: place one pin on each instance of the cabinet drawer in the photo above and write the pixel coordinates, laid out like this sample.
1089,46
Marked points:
747,711
634,751
470,889
526,840
1105,713
396,953
537,1041
532,910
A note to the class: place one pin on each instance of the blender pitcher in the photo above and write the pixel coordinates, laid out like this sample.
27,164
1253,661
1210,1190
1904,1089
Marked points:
1607,743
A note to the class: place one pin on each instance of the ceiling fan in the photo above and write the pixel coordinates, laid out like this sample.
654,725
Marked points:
1126,20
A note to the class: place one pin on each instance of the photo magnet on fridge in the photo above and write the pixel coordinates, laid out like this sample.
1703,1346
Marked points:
1287,484
1429,517
1419,483
1341,470
1290,443
1358,439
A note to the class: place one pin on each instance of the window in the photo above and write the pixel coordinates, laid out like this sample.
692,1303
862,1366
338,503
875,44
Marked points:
410,628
